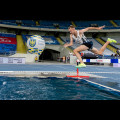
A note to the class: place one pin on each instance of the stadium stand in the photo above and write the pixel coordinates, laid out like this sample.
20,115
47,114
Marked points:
8,22
99,23
117,22
46,24
52,24
83,24
29,23
8,44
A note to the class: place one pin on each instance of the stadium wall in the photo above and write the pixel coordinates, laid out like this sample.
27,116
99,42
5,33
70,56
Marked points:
63,51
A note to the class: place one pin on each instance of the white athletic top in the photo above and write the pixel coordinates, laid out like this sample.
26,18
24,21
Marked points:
80,39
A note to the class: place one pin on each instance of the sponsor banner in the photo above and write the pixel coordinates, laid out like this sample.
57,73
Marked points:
12,60
102,60
8,40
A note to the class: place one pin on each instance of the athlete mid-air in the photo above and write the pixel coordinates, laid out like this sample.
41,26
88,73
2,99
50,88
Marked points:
84,43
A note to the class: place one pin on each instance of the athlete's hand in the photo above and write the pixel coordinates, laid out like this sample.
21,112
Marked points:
65,45
101,27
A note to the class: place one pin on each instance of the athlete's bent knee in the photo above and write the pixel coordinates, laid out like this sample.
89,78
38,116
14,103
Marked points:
100,53
75,51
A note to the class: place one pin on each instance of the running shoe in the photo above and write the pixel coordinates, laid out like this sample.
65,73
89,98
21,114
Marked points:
81,65
111,40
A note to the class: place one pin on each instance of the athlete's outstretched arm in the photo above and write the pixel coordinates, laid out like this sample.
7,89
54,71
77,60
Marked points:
71,42
91,28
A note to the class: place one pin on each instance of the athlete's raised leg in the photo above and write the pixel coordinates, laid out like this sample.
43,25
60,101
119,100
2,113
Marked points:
100,52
